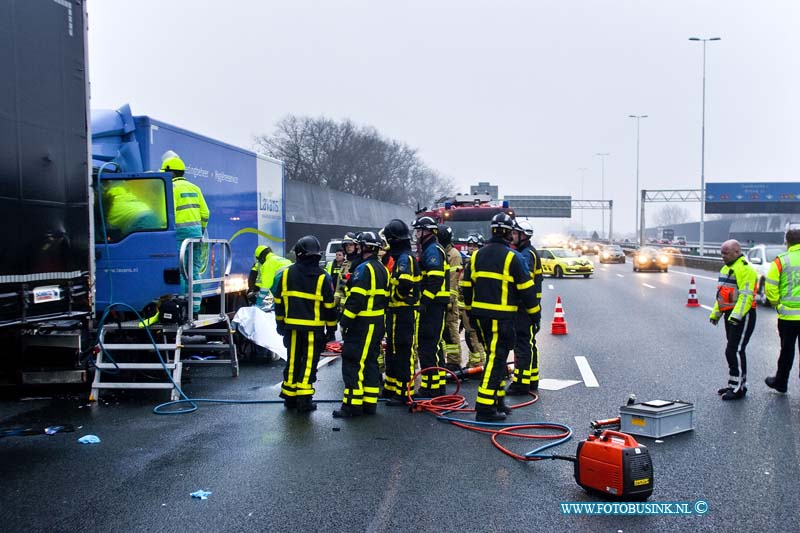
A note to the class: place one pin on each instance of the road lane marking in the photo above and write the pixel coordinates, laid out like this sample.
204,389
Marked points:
706,307
620,276
586,372
550,287
556,384
700,276
648,286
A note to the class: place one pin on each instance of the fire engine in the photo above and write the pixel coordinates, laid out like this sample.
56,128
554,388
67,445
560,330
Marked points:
467,214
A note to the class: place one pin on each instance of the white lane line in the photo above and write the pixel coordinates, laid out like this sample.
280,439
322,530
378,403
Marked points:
706,307
700,276
620,276
550,287
648,286
586,372
556,384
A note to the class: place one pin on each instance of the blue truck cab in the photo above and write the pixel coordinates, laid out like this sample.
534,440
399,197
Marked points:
136,252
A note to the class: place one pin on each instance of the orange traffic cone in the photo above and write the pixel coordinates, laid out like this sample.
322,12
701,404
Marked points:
692,302
559,325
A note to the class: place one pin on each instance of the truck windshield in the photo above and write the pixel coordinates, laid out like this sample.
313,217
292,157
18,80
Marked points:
129,206
463,229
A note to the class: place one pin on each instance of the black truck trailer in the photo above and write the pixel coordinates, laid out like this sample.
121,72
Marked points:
46,263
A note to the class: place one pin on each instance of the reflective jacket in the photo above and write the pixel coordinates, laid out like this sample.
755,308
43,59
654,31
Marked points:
435,282
405,279
267,271
190,207
736,289
369,293
533,265
349,264
334,269
304,298
782,284
456,263
496,283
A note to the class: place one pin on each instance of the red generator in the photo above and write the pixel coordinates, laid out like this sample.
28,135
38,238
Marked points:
614,463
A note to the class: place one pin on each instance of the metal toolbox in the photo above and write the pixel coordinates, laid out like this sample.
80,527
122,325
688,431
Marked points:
657,418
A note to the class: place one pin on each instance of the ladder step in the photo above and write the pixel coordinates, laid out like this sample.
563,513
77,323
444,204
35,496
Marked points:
206,347
120,385
135,366
206,361
144,346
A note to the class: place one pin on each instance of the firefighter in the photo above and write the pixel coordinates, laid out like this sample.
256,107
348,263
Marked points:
452,335
402,312
435,296
304,307
496,284
784,294
191,219
362,323
736,289
477,354
526,355
334,268
262,276
350,257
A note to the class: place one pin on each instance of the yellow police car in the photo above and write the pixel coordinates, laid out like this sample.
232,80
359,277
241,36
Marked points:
560,262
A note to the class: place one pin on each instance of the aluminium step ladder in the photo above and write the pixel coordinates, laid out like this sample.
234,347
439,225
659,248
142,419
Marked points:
202,340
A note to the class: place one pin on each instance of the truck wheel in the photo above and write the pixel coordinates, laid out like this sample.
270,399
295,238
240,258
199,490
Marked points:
558,272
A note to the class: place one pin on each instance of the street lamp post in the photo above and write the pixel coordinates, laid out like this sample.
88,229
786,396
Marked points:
636,212
603,191
582,170
703,145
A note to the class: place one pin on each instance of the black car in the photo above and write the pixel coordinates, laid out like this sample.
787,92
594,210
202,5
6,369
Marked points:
611,253
647,258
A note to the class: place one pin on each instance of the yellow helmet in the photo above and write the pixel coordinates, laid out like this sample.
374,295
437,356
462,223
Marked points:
172,163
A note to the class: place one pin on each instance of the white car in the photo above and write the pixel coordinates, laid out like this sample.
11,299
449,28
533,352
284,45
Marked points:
761,256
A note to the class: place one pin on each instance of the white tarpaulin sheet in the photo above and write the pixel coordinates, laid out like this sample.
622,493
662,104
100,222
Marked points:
259,327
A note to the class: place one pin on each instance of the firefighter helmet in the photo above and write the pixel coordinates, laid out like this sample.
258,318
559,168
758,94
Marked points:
396,230
349,238
426,223
370,239
445,235
173,163
523,227
308,246
502,221
475,240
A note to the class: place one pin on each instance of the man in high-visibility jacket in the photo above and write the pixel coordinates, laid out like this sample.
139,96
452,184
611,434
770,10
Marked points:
526,354
401,314
433,303
477,353
496,285
191,219
736,289
262,276
782,288
451,336
362,323
304,308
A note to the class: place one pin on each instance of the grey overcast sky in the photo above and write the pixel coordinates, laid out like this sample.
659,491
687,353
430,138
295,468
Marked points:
518,93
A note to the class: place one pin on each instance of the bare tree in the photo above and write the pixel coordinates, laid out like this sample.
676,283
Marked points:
349,158
671,214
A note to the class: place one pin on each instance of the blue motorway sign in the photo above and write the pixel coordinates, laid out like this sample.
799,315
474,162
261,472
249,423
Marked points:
767,197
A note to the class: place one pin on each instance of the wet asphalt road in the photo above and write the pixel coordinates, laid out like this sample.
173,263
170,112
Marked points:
271,470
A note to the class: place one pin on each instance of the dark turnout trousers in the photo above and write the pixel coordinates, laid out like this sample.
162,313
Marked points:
498,336
738,336
401,336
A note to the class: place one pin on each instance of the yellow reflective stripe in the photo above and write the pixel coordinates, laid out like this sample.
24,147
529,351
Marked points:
303,295
309,361
330,305
436,273
371,312
370,292
507,274
525,285
494,307
533,310
349,314
429,294
303,322
317,310
494,275
465,283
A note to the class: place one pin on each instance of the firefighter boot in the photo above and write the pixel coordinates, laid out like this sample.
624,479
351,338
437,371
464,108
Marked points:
534,385
305,405
502,407
370,408
518,389
347,411
487,413
290,403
